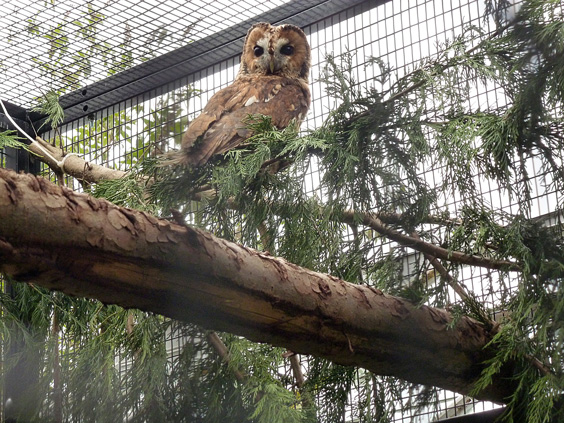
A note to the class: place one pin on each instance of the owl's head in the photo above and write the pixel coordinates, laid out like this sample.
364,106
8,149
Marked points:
276,50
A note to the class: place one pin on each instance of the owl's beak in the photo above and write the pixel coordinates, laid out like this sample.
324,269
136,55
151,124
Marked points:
271,64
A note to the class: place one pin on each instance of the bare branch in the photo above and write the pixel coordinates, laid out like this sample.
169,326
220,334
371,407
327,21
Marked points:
84,246
221,349
371,220
72,164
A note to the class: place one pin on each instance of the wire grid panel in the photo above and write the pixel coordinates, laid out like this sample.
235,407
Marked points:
68,44
399,34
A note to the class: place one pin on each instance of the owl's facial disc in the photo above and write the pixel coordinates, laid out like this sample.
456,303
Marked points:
275,50
272,55
282,50
262,57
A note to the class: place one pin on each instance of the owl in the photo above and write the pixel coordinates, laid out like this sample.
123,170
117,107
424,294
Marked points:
272,81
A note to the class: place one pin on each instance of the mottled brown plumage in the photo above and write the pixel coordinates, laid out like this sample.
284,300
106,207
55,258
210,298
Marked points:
272,80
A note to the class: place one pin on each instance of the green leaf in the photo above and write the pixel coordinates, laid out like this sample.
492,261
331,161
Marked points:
11,139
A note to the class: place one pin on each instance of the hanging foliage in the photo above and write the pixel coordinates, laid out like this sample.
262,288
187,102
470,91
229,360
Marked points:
392,155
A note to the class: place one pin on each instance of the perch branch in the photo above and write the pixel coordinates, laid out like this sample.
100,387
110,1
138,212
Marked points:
372,221
85,246
72,164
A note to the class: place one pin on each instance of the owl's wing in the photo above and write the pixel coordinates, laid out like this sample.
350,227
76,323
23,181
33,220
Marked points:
219,127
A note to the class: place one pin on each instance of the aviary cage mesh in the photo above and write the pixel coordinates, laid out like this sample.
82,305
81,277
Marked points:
49,45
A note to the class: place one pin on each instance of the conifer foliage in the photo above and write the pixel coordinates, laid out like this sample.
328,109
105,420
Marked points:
392,156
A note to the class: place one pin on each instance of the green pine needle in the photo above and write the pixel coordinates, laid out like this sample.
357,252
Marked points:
49,105
10,139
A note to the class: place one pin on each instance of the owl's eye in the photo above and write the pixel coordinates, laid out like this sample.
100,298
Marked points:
258,51
287,50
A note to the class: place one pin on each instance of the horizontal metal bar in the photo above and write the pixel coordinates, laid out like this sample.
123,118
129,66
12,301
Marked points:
192,58
20,115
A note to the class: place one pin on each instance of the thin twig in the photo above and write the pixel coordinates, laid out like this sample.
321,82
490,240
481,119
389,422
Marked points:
459,289
25,134
221,349
443,272
372,221
545,370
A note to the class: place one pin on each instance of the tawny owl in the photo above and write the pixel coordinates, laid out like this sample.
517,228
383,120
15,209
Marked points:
272,80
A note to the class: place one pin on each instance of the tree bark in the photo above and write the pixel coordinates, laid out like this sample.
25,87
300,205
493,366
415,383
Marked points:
72,164
88,247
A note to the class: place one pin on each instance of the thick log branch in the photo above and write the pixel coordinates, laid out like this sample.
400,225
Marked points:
84,246
74,165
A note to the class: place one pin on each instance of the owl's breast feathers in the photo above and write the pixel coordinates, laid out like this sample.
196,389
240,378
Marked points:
220,126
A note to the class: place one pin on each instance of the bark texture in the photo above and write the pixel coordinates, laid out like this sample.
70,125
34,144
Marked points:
89,247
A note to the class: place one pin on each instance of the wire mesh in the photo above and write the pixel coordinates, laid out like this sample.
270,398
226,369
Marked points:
67,45
128,33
